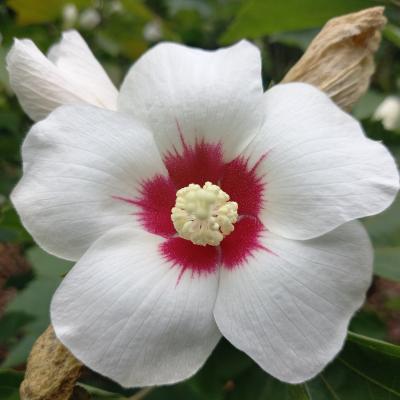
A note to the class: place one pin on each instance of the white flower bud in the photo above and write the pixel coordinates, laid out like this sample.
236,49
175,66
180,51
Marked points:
89,18
152,31
389,113
69,15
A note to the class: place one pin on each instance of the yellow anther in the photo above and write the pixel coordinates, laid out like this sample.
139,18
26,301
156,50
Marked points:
204,215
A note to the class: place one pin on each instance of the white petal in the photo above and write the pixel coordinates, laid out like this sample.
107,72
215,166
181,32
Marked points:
76,62
41,86
76,162
319,169
131,316
211,95
289,307
38,84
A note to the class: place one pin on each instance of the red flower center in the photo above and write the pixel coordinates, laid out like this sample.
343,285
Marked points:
198,164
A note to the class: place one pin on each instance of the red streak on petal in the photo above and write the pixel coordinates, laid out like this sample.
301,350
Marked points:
186,255
242,243
157,197
243,185
196,164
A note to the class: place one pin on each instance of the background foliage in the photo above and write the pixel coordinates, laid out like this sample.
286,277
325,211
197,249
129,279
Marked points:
119,31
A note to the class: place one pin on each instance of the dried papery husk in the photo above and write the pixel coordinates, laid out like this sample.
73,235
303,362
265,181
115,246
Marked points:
51,372
340,59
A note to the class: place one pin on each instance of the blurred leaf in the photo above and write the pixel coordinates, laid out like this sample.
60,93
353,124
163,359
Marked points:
256,384
95,382
376,345
392,33
367,105
387,262
19,352
11,324
138,8
97,393
35,301
9,384
368,324
263,17
9,120
11,229
124,34
384,228
393,304
34,12
224,365
200,6
180,391
365,369
300,39
3,71
298,392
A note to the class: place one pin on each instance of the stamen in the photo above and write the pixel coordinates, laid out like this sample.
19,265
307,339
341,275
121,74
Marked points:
204,215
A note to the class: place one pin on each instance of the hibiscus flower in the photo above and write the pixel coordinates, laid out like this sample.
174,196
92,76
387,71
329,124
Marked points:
204,208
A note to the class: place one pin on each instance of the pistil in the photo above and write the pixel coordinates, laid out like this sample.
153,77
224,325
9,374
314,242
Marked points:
204,215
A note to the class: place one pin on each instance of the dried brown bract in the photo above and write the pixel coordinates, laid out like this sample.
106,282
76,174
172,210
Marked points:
52,370
340,58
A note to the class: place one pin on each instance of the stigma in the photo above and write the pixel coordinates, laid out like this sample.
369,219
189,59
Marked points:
203,215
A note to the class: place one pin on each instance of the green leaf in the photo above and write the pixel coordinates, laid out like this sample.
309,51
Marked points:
376,345
263,17
224,366
97,393
256,384
98,385
365,369
298,392
368,324
34,301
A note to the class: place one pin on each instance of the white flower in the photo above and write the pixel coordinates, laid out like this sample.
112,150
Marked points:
69,75
389,113
89,18
290,171
152,31
70,15
115,6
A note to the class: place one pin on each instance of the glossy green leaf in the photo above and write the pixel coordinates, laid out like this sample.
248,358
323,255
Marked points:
375,345
365,369
263,17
